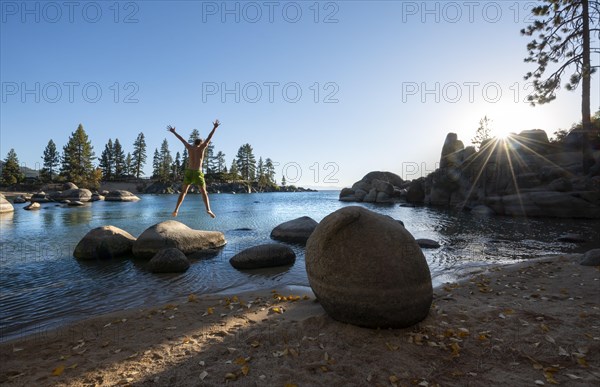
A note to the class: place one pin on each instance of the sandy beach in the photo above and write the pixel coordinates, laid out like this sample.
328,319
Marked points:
527,324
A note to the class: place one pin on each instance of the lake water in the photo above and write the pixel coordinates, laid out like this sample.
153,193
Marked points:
42,285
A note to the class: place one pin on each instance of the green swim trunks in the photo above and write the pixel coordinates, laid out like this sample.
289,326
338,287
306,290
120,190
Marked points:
192,176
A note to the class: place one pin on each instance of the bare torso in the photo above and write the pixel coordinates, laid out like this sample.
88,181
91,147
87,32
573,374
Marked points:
196,156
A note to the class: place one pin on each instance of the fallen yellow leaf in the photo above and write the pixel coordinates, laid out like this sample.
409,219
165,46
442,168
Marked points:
192,298
245,370
58,370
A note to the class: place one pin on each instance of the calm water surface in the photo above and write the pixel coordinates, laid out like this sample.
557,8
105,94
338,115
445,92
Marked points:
42,285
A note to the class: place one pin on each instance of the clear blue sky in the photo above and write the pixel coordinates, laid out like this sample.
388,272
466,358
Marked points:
381,82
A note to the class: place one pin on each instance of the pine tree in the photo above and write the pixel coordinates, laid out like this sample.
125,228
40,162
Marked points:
565,39
208,163
107,161
246,162
482,133
233,171
77,158
166,160
119,157
156,163
184,162
220,162
128,165
269,171
11,171
176,170
139,155
283,182
51,162
194,136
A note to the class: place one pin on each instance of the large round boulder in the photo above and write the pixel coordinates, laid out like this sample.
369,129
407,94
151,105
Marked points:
591,258
170,260
172,233
77,194
267,255
5,205
295,231
120,196
368,270
103,243
40,197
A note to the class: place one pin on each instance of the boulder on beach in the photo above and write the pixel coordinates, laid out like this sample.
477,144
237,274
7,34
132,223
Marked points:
120,196
368,270
172,233
267,255
104,243
5,205
591,258
169,260
295,231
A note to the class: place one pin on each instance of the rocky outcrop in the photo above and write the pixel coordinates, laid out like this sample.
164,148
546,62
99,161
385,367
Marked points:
120,196
267,255
523,175
5,205
375,187
169,260
104,243
40,197
175,234
77,194
367,270
295,231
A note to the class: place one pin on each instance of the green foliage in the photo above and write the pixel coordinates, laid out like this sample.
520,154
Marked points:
119,156
560,24
77,159
246,162
107,161
139,155
482,133
11,171
51,159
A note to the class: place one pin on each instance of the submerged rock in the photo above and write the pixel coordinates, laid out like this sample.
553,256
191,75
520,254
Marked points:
296,231
267,255
169,260
425,243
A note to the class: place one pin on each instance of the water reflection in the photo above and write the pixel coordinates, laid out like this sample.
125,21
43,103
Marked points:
6,220
43,284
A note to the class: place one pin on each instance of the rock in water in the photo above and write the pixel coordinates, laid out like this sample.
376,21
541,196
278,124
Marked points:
169,260
120,196
368,270
5,205
295,231
32,206
267,255
103,243
172,233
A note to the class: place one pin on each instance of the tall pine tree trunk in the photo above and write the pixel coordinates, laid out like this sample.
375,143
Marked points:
587,153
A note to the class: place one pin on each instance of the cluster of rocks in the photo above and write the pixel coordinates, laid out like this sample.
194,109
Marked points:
222,187
73,196
522,175
165,245
375,187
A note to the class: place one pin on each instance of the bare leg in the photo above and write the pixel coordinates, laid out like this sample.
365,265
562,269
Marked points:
206,202
184,190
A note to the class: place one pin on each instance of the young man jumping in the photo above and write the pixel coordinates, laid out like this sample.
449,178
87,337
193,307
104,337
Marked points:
193,172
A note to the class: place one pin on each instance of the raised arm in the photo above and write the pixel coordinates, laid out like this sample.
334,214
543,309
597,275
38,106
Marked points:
172,130
215,126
